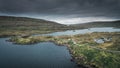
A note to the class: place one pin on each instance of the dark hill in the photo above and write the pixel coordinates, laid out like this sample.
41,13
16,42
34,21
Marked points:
10,21
22,25
99,24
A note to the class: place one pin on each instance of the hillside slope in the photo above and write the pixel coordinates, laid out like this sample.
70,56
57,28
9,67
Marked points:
115,24
24,22
22,25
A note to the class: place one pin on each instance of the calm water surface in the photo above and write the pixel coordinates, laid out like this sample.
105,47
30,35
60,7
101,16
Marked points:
41,55
83,31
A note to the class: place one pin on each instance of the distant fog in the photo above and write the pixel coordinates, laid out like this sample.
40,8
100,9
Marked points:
66,19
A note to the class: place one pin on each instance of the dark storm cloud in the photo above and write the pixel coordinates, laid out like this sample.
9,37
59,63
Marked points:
68,7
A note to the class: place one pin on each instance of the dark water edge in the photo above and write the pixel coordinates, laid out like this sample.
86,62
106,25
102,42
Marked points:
41,55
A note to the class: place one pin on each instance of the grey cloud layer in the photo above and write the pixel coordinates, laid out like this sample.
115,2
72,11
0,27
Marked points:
78,7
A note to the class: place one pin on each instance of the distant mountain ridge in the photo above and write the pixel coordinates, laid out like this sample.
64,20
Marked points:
25,21
99,24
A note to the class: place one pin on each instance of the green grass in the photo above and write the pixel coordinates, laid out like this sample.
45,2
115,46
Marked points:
85,55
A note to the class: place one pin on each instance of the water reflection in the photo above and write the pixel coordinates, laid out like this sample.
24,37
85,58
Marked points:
41,55
83,31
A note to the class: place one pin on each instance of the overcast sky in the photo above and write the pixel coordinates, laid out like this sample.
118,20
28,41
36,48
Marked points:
63,11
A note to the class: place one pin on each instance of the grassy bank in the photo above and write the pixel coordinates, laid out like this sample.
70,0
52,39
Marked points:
84,49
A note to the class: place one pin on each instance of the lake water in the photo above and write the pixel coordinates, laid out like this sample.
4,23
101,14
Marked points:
82,31
41,55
